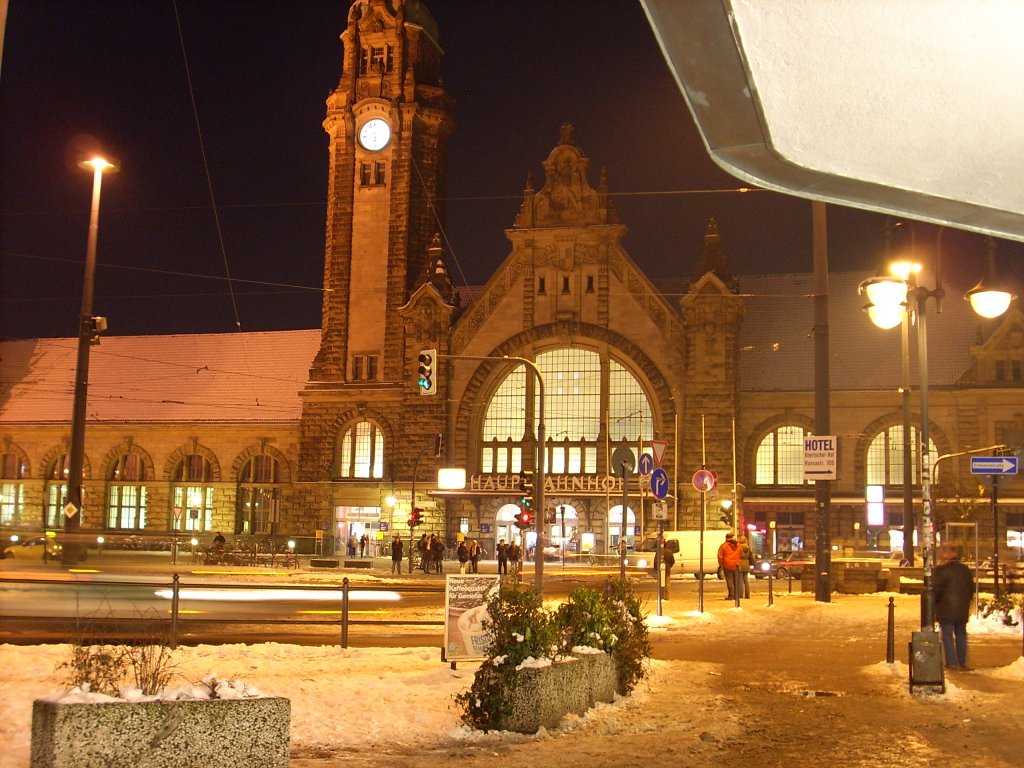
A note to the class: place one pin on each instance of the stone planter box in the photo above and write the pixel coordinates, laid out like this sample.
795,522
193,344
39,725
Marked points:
542,697
227,733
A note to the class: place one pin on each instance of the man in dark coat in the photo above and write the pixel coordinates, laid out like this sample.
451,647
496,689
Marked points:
953,586
396,554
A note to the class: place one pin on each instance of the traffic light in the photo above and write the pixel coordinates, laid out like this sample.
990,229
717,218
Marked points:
427,373
526,489
524,520
416,518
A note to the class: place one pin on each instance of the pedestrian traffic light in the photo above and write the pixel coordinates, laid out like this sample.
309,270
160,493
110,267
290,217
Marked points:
524,519
426,373
526,489
416,518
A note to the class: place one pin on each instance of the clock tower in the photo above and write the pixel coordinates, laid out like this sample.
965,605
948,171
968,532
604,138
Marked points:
388,123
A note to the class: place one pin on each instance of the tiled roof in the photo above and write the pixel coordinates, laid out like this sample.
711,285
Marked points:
194,377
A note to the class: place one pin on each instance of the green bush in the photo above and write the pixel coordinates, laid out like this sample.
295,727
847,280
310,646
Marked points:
520,627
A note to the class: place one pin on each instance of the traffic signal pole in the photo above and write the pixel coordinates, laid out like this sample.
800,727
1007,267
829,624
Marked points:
538,487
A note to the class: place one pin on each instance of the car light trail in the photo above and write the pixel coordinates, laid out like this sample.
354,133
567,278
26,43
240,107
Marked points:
264,595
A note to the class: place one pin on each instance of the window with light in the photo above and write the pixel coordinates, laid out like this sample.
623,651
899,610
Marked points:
360,451
780,457
12,491
259,494
576,380
884,460
126,494
191,495
56,491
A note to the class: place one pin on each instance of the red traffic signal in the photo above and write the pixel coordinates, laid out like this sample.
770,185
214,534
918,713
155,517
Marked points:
524,519
416,518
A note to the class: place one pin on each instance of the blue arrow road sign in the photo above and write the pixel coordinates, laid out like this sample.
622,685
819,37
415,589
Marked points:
646,464
993,465
659,483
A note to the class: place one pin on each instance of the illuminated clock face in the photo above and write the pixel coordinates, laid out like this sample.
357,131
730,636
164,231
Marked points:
375,134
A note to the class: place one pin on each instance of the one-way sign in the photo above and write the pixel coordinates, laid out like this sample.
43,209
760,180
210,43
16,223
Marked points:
993,465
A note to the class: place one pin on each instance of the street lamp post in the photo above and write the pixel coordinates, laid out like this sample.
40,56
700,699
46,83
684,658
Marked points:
88,327
890,299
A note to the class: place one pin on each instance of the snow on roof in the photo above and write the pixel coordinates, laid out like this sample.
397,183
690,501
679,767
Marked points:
188,377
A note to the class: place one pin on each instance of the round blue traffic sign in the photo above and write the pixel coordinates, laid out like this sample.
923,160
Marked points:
646,464
659,483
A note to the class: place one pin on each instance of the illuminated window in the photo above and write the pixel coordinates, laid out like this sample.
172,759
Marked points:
258,495
885,457
191,497
360,451
574,385
126,493
12,492
780,457
56,492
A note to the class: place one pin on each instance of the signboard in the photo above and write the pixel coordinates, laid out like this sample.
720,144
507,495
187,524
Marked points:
658,449
177,514
485,527
659,483
646,464
465,610
659,511
70,510
993,465
820,457
704,480
385,525
875,497
623,461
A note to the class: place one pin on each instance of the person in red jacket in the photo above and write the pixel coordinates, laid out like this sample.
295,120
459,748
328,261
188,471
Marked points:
729,561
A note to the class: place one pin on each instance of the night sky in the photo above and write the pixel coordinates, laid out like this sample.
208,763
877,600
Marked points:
243,192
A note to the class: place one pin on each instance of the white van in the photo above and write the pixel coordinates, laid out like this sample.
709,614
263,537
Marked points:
686,545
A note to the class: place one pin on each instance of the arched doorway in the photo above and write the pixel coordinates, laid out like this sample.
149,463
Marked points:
616,529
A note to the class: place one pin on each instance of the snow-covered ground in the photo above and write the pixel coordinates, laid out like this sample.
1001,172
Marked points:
362,701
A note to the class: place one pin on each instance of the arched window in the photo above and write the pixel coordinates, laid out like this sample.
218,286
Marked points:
576,383
884,459
126,493
12,491
360,451
56,491
780,457
191,493
259,495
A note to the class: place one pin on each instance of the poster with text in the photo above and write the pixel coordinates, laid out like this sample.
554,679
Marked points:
465,610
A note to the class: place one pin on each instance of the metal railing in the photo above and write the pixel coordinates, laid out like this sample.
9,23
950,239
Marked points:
177,618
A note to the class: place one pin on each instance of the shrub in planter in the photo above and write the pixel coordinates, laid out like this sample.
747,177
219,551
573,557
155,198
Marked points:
523,632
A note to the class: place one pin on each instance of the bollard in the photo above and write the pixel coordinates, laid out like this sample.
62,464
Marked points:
771,591
175,594
890,637
344,612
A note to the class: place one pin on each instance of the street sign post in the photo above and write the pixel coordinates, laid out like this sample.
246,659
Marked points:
646,464
820,457
993,465
658,449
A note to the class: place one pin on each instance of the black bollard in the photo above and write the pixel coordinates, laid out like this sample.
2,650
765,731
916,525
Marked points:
890,637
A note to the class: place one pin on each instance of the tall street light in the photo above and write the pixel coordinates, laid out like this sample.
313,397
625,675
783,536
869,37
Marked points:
88,329
892,299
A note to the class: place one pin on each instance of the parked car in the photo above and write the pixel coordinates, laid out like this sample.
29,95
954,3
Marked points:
791,564
761,567
32,548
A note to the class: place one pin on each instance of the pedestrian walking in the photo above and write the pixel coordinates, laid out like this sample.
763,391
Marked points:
502,553
515,556
396,554
474,556
743,572
953,586
729,562
463,554
668,559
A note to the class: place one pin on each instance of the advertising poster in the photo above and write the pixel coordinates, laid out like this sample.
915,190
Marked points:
465,609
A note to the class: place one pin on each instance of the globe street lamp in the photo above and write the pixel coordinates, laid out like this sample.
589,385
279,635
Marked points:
88,329
897,298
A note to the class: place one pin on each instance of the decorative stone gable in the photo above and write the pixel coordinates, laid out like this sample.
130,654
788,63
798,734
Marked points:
566,199
1000,359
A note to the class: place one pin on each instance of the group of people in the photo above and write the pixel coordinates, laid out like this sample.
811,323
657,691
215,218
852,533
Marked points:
734,559
509,553
360,545
431,551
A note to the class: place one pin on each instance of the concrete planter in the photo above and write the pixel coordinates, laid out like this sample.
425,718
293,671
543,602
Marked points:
542,697
217,733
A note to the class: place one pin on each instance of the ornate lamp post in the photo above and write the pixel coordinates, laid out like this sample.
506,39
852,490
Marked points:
897,298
